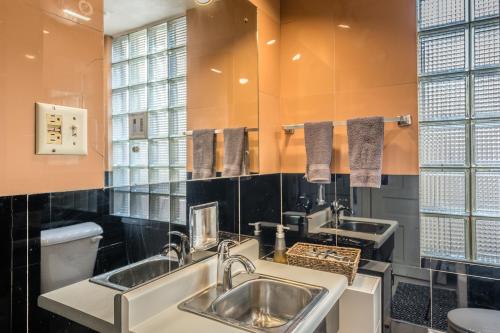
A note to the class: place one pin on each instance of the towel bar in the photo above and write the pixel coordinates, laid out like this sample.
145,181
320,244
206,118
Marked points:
219,131
402,121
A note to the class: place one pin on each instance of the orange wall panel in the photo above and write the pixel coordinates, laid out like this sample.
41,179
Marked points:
50,59
222,50
357,58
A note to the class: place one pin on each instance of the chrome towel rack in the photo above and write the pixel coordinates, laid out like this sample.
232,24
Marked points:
402,121
220,131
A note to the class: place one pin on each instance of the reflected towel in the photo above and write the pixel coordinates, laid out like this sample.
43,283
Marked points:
366,146
235,147
203,153
318,139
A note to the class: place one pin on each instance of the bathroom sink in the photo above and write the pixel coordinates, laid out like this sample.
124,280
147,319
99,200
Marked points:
262,304
138,273
367,227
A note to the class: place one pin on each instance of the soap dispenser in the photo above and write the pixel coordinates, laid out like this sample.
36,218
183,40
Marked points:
280,245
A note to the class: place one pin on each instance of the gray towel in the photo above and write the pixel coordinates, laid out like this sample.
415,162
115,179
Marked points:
203,153
366,146
318,139
235,143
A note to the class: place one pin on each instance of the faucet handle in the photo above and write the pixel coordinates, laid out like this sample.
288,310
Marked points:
224,246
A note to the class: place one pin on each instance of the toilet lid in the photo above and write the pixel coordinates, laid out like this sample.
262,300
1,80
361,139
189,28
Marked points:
475,320
69,233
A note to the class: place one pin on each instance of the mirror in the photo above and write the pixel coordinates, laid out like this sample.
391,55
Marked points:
170,68
176,68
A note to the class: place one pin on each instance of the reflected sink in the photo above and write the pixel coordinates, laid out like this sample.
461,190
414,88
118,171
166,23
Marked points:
367,227
262,304
138,273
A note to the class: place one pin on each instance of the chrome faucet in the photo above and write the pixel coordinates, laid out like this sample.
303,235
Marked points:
338,209
182,250
222,255
227,278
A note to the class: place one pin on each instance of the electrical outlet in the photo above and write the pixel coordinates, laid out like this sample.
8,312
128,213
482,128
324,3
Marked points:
54,129
54,138
60,130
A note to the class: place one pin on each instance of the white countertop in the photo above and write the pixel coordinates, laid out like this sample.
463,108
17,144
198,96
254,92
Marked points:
86,303
174,320
153,307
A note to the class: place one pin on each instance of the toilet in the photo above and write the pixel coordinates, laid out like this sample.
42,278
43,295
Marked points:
470,320
68,254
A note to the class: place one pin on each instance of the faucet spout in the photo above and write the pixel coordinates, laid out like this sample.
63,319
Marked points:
222,255
248,265
175,248
182,250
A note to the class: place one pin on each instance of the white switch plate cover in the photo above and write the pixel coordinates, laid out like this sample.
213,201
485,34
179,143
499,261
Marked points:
73,130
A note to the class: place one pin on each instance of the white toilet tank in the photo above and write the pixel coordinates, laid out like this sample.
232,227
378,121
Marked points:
68,254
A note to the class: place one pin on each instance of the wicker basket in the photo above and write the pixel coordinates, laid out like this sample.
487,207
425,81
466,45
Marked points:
299,255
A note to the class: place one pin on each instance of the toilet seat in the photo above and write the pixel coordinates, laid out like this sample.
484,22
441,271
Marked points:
471,320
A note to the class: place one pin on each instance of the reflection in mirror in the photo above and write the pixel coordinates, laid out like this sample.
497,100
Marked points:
173,67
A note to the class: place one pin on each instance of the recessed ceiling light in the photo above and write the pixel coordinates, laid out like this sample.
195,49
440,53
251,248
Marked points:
297,57
215,70
271,42
344,26
76,15
203,2
46,32
243,80
29,56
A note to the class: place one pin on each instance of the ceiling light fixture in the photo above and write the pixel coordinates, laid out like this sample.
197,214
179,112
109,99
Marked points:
29,56
243,80
46,32
76,15
271,42
296,57
344,26
215,70
203,2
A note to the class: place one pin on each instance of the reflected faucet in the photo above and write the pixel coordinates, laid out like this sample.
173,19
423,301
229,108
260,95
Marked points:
338,210
227,278
222,255
182,250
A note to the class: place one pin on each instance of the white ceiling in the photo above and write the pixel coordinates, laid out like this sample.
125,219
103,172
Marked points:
124,15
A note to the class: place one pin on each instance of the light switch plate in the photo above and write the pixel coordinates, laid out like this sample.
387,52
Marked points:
138,125
60,130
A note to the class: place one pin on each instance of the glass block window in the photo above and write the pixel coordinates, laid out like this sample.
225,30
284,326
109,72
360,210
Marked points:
459,128
443,98
443,236
148,74
487,244
485,96
436,13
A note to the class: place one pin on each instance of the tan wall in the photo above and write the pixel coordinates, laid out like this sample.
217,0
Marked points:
268,18
369,69
220,39
63,66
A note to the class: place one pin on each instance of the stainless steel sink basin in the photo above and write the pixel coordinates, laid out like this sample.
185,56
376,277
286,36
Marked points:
138,273
370,228
261,304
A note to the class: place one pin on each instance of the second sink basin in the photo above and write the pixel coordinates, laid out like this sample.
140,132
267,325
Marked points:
262,304
136,274
370,228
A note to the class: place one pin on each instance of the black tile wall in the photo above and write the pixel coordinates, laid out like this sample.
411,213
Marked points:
221,190
259,201
6,257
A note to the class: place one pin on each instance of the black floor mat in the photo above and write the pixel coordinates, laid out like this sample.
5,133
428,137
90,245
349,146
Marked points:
411,303
443,301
